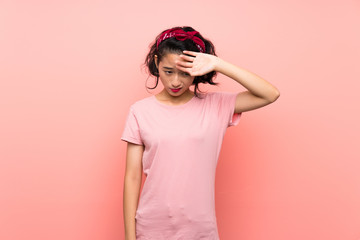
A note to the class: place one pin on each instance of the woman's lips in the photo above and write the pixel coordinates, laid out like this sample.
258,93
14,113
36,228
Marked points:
175,89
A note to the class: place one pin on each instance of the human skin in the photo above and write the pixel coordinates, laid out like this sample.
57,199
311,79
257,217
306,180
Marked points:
184,67
259,91
132,184
179,71
171,77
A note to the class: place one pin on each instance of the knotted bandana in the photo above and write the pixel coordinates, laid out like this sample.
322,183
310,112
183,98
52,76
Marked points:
181,35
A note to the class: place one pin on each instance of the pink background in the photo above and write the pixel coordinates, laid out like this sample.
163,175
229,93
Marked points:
69,71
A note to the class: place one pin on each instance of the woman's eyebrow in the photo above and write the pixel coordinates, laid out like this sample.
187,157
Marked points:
167,68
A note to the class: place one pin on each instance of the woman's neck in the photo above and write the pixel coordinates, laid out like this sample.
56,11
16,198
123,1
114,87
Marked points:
165,97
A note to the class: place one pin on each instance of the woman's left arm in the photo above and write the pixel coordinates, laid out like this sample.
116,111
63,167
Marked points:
260,92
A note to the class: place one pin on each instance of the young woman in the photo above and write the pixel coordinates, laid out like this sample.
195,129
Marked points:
175,137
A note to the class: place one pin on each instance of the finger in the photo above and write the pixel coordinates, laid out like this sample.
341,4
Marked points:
189,71
187,58
185,64
184,69
190,53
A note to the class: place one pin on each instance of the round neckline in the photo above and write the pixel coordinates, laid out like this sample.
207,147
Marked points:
173,106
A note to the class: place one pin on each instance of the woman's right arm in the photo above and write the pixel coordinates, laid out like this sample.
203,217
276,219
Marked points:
132,185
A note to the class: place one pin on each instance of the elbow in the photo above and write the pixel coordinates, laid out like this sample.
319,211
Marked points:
275,95
134,176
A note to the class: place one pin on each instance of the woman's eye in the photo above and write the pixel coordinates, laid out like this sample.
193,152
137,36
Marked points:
167,72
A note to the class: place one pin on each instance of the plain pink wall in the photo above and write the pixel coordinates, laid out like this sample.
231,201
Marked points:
69,71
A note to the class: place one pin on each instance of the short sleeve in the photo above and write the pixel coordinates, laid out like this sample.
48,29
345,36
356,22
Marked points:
227,101
131,131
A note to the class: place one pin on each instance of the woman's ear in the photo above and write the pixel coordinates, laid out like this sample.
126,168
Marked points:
156,61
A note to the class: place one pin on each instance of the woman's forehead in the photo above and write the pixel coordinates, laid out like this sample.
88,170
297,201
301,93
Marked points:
169,59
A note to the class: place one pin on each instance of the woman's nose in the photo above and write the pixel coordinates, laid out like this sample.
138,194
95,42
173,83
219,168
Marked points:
176,81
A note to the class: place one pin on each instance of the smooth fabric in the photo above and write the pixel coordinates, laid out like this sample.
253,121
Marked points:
182,146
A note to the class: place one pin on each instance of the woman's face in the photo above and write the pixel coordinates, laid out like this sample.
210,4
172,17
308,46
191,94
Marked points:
175,81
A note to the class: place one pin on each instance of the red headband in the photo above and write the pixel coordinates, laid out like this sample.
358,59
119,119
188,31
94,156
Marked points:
181,35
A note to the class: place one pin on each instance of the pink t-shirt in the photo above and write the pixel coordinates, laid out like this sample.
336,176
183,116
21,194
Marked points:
182,146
